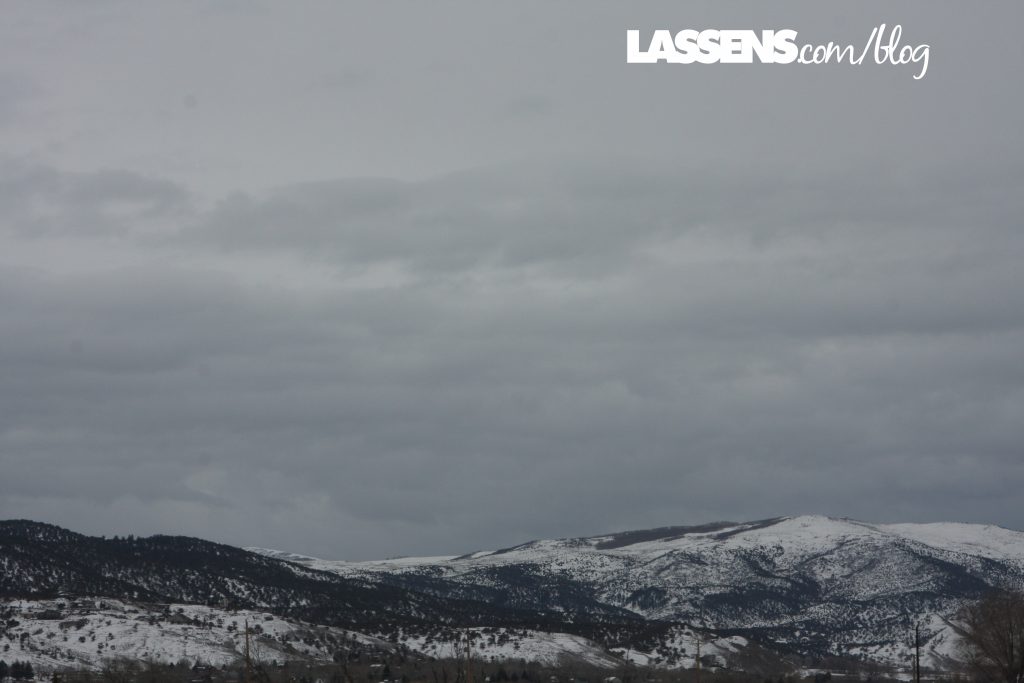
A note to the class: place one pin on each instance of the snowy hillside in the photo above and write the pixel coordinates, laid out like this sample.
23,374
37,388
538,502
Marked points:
801,589
44,561
811,585
83,633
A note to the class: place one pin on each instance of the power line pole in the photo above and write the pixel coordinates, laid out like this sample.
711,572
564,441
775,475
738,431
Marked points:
698,658
248,661
917,653
698,634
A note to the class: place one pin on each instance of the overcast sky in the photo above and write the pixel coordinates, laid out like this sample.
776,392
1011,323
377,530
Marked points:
372,279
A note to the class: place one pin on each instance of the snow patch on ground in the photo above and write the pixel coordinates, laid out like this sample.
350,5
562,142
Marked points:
970,539
84,633
502,644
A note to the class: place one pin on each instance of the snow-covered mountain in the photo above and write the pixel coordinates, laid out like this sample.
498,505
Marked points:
813,586
804,589
45,561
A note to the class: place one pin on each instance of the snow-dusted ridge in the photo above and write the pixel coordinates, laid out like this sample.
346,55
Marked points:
812,584
970,539
807,533
808,586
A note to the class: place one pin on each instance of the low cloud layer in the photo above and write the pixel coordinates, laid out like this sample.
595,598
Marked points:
374,367
565,340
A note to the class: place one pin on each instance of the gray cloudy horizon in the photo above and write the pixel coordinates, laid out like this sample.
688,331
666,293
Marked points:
358,283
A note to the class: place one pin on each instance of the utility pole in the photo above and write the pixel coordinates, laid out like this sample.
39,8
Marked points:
469,669
917,653
248,661
698,634
698,657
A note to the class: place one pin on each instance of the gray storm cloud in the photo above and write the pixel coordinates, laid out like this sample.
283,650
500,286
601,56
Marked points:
539,311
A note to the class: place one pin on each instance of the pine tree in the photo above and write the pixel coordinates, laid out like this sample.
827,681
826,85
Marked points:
20,671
